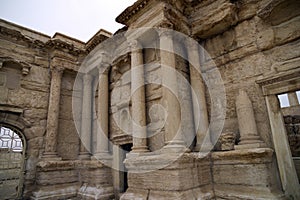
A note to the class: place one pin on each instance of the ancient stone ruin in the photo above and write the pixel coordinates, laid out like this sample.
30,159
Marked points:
185,102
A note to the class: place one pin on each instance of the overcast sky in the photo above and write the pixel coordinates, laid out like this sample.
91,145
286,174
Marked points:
80,19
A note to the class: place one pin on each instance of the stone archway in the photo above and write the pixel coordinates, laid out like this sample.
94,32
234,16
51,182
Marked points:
12,162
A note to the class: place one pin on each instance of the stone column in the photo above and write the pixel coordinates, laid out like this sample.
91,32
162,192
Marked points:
102,150
53,113
198,97
139,130
247,125
173,135
293,100
86,119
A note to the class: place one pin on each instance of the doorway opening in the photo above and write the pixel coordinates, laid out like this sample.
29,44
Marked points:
12,159
290,108
126,148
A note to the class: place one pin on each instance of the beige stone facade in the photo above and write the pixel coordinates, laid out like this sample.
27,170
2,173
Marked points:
182,103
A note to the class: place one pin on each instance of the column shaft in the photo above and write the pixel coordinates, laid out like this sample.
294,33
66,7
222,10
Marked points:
86,120
102,132
139,130
173,135
53,112
198,97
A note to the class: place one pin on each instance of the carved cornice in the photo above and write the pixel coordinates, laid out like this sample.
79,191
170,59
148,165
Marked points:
61,45
131,11
122,139
18,36
94,42
278,78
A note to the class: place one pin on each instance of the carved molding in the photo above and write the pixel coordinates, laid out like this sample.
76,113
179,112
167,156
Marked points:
18,36
122,139
61,45
129,12
278,78
13,116
94,42
24,66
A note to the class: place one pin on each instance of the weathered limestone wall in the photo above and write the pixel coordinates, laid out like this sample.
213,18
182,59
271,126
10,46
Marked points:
27,60
250,47
248,41
27,93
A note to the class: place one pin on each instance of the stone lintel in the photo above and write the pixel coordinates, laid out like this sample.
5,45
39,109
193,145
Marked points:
243,156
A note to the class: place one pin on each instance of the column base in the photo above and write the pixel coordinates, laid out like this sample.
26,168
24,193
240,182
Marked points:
205,148
84,156
104,157
140,149
250,145
51,156
175,146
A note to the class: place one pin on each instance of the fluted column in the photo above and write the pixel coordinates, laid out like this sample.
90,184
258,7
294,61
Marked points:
53,113
293,100
102,150
86,120
139,131
198,97
173,135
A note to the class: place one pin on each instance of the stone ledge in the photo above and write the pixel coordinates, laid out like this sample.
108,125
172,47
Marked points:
62,191
203,193
68,165
150,161
226,191
243,156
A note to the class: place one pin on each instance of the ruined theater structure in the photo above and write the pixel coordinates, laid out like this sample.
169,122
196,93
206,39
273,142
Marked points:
189,100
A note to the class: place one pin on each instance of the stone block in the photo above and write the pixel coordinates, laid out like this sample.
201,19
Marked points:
218,20
134,194
287,31
56,192
98,192
57,177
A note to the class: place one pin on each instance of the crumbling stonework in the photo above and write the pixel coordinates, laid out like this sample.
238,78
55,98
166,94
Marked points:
150,113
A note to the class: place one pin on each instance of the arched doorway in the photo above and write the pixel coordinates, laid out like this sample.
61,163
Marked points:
12,160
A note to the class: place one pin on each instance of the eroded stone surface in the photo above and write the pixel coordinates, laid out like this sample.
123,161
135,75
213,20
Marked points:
254,45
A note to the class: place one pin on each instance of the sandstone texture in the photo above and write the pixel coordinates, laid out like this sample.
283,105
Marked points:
181,103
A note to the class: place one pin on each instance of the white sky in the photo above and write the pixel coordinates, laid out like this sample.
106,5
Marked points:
80,19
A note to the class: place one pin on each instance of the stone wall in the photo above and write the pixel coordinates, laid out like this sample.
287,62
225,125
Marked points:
28,93
246,41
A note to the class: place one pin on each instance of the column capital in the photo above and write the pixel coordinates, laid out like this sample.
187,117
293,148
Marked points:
57,68
103,68
165,24
165,33
135,45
